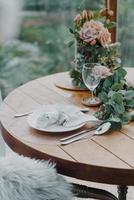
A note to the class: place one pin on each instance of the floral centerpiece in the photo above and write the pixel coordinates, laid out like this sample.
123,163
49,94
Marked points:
93,44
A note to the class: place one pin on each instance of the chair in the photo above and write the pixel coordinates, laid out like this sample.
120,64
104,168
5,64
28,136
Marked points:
83,191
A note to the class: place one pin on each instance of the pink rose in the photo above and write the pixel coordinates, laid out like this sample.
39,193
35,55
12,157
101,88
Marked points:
88,35
89,31
93,31
102,71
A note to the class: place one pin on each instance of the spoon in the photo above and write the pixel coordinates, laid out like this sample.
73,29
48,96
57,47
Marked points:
103,128
100,130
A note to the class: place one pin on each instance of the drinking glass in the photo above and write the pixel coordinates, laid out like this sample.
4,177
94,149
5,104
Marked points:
91,78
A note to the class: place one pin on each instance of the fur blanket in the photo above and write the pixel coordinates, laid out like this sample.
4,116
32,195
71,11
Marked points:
23,178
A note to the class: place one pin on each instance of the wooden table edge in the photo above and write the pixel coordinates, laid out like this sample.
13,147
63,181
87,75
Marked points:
92,173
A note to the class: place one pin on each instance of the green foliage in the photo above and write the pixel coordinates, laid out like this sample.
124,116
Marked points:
77,78
117,98
110,25
115,124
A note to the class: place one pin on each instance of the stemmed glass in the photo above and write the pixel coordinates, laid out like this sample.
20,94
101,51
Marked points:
91,79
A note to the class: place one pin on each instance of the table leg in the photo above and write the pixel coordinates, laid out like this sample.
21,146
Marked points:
122,192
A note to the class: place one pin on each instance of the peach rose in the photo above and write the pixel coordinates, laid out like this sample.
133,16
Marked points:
104,37
102,71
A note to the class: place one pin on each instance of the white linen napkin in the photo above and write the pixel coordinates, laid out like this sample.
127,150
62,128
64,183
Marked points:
63,115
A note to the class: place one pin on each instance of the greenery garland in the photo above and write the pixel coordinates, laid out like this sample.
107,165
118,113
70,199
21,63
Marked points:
117,98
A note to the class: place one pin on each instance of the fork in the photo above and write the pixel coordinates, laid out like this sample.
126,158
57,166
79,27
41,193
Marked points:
84,110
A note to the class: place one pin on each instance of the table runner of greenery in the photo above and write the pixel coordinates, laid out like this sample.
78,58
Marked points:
117,98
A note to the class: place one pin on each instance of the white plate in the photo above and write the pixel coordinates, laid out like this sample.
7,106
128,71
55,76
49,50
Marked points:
33,118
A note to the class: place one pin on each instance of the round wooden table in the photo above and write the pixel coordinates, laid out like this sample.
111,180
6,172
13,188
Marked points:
105,159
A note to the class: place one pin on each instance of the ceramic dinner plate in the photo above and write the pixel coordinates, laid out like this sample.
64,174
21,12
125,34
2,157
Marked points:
33,121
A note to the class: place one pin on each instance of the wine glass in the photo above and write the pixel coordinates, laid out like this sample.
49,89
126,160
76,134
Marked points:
91,78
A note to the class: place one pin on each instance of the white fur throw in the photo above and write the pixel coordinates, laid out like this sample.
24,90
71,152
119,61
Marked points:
23,178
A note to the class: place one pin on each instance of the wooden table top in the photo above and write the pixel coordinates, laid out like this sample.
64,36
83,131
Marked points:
106,159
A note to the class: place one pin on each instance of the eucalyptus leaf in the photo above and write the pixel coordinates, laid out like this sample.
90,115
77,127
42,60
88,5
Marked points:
132,116
117,86
107,84
117,103
129,94
103,97
119,74
125,118
115,124
111,93
119,108
110,25
130,103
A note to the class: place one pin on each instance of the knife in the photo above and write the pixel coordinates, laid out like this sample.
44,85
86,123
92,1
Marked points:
76,136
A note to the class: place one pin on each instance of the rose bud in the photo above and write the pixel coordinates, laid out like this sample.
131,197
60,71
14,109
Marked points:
93,42
87,15
77,18
106,12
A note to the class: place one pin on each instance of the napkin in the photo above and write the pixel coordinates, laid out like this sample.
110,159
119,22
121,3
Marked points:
63,115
